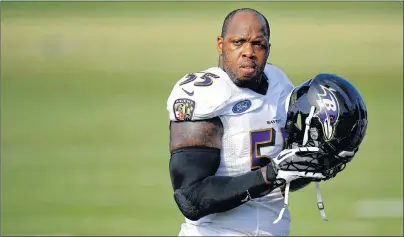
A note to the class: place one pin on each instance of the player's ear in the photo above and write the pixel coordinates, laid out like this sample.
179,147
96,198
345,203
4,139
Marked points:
219,45
269,46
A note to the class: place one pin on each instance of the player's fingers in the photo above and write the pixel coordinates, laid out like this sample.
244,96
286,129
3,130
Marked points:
313,175
307,149
301,151
284,155
317,153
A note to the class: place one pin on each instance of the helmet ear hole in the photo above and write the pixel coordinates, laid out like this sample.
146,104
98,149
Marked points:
299,123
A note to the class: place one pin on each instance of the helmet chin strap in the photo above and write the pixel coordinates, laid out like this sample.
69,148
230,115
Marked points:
307,128
320,204
285,205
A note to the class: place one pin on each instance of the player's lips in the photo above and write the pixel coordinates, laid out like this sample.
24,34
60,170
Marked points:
249,68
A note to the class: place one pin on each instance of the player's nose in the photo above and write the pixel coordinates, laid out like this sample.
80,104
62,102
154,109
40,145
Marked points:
248,50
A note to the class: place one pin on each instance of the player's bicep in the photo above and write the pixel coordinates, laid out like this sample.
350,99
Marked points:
203,133
195,151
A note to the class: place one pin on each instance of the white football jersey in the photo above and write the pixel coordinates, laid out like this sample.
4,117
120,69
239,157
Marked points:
253,125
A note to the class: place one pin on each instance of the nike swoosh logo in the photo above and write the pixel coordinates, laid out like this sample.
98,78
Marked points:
188,93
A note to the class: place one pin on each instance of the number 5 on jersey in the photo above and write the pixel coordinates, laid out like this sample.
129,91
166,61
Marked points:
260,139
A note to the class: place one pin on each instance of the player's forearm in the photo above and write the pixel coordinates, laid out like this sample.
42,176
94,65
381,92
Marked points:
198,192
216,194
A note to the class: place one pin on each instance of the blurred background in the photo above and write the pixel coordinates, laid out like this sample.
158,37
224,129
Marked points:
84,126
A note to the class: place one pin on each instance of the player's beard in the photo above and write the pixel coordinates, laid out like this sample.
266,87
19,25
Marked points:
251,82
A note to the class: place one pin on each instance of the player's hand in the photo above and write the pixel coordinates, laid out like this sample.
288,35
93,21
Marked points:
337,164
302,162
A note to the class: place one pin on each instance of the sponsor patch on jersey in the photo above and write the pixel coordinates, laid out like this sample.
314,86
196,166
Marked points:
329,111
241,106
184,109
273,121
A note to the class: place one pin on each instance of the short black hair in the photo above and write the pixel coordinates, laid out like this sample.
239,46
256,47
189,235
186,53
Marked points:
231,15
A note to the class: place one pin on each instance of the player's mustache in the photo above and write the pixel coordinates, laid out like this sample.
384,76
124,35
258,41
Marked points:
248,64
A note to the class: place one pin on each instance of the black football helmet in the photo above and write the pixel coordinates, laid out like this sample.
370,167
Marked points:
328,112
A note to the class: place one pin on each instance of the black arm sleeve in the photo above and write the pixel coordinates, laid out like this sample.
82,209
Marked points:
198,192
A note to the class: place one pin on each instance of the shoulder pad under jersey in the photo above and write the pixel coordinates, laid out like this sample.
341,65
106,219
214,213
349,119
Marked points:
279,77
200,95
275,73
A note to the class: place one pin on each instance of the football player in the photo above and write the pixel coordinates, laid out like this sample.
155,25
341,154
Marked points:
226,124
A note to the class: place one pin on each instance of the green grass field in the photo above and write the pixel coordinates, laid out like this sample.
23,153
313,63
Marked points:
84,124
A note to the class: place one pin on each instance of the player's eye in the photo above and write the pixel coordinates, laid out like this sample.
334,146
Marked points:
259,44
238,41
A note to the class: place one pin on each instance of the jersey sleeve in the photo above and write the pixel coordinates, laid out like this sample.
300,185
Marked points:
287,89
198,99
